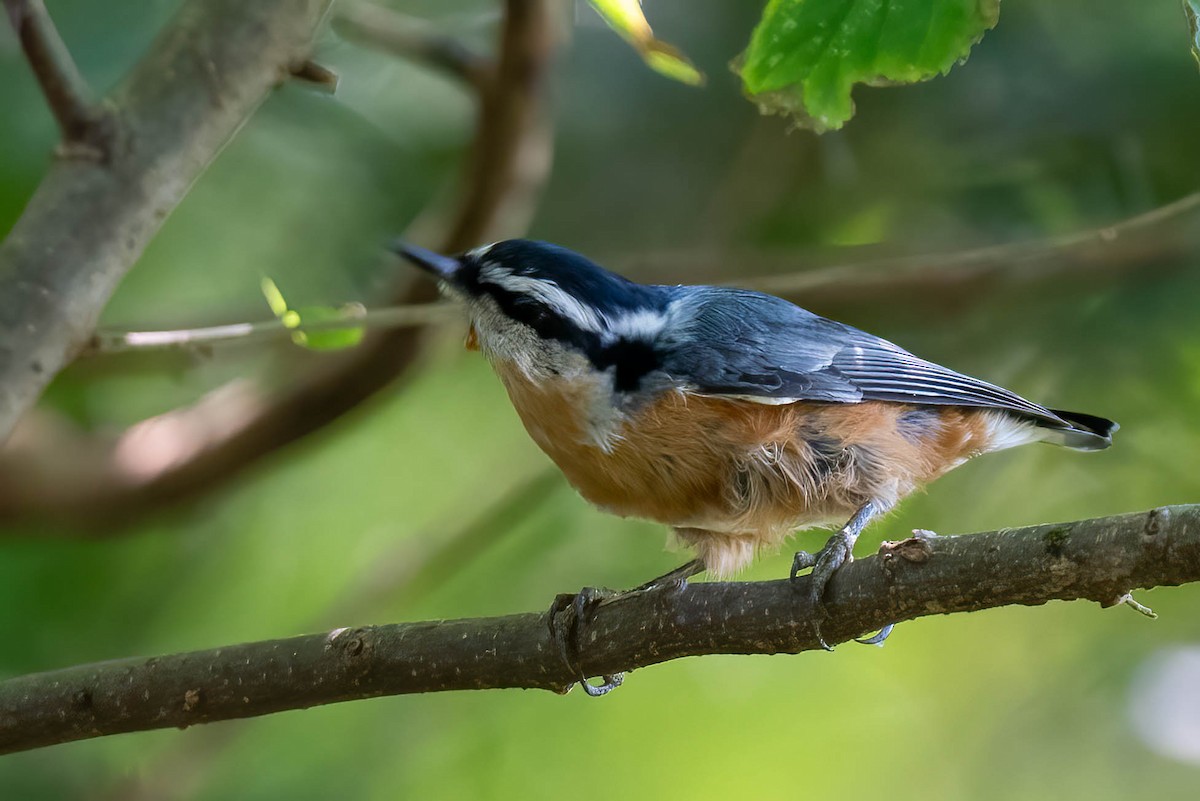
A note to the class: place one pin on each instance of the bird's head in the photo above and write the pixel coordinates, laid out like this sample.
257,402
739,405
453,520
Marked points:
551,310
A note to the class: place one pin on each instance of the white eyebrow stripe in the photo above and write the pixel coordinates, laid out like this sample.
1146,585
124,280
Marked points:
639,324
549,293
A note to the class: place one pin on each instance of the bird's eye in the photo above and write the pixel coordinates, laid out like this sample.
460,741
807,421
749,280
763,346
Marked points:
535,314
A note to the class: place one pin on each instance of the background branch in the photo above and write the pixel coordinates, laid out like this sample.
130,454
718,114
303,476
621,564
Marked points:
88,222
1153,239
67,93
95,488
208,444
1098,560
413,39
1099,253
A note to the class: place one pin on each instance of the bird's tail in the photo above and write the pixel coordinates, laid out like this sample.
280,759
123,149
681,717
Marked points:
1082,432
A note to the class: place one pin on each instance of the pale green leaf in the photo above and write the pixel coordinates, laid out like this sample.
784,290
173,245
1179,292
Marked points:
323,338
626,18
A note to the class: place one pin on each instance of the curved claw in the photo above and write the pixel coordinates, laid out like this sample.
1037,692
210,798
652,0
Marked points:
878,637
596,690
801,561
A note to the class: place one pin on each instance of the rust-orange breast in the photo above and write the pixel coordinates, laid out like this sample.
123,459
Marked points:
737,466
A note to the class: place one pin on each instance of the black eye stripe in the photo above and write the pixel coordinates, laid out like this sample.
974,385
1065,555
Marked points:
630,359
540,317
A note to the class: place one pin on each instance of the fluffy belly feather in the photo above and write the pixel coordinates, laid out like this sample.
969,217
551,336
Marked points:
734,476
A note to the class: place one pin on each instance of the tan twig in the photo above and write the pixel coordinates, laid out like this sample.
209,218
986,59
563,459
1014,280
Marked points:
860,282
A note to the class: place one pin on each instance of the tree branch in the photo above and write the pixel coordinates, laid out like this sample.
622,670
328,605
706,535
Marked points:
87,223
509,160
1098,560
83,124
412,39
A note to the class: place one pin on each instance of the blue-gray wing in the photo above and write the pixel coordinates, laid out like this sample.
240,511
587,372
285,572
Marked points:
747,344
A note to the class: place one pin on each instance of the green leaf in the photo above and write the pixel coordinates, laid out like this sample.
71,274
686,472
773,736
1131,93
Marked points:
626,18
323,338
805,56
1191,8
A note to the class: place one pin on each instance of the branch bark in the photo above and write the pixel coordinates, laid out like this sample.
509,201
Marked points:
88,222
1099,560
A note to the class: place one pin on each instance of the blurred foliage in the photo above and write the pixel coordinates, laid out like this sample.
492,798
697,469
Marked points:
1191,8
1071,114
806,55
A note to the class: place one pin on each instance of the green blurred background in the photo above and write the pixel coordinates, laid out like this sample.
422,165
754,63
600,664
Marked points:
1069,115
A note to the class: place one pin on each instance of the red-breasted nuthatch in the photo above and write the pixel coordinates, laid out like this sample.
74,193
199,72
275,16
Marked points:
732,416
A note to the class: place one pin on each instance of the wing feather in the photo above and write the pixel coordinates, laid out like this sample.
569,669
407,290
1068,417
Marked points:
746,344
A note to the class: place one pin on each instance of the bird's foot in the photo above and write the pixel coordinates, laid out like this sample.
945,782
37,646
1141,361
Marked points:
837,552
568,635
570,616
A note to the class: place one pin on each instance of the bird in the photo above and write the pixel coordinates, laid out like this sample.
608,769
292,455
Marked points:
732,416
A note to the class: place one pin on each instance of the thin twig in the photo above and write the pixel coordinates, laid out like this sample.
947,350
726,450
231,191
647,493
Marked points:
314,74
862,281
410,316
1014,261
925,280
67,93
1099,560
413,39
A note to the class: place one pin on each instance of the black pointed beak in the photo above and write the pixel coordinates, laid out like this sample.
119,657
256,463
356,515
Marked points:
444,267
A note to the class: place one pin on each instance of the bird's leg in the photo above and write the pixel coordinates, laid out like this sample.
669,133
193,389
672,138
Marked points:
838,550
568,639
